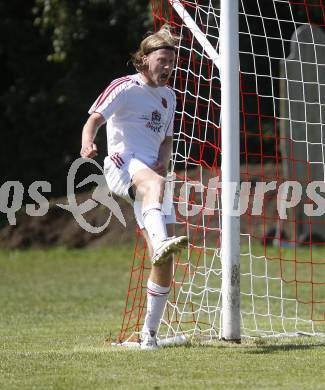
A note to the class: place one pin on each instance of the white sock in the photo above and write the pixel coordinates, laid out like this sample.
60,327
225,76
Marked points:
154,222
156,301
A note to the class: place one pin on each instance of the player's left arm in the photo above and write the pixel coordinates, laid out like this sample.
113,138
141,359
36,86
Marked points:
165,150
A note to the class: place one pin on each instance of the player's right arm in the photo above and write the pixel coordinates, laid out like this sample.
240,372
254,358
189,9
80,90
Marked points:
88,147
108,102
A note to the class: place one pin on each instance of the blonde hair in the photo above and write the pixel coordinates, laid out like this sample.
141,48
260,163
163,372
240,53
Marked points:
162,39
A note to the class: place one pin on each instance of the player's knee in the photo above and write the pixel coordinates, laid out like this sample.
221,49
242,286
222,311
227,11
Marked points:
154,185
158,184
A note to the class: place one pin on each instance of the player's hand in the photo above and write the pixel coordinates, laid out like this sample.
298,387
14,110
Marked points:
159,168
88,150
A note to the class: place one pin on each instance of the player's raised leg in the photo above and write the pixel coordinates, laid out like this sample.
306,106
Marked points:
149,192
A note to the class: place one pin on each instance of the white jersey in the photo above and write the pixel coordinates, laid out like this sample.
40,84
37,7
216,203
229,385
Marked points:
138,116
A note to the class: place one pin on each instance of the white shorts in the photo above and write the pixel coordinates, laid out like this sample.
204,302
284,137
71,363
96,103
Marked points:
119,170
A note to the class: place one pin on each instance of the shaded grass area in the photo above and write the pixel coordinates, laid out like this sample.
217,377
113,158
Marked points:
295,274
58,306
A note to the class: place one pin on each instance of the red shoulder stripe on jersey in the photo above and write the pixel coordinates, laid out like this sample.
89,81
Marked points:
110,89
113,83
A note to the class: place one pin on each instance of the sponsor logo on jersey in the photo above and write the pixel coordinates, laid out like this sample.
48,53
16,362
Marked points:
155,123
156,117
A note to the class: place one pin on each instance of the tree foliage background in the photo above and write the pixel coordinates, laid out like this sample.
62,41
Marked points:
56,56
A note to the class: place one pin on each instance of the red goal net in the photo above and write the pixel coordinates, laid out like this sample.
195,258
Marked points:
282,131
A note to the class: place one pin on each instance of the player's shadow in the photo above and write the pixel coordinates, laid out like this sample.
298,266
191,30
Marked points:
261,346
273,348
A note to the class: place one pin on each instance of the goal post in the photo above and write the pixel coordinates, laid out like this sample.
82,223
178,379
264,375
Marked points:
228,64
230,236
255,265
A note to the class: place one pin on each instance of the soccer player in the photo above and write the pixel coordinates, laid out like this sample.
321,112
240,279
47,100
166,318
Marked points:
139,113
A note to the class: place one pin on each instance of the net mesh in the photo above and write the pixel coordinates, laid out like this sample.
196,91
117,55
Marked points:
282,118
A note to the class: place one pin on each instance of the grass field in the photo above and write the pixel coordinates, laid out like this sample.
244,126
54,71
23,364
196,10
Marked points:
58,306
